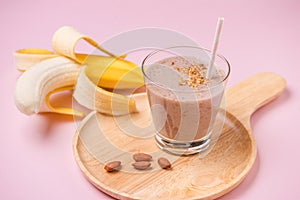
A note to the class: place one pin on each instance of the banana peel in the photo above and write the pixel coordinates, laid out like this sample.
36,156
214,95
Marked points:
89,95
113,73
25,58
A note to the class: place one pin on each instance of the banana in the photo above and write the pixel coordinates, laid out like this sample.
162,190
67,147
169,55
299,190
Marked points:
65,39
49,72
114,73
89,95
25,58
34,86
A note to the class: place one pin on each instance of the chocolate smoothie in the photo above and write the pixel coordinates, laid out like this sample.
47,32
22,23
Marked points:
184,102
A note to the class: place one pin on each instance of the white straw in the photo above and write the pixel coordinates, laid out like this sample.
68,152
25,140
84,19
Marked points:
214,47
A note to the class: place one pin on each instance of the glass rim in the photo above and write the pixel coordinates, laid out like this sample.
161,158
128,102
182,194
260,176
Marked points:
194,90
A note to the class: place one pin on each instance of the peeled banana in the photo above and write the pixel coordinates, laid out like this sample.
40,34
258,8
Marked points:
89,95
34,85
49,72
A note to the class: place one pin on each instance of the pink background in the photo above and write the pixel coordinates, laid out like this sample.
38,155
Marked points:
36,160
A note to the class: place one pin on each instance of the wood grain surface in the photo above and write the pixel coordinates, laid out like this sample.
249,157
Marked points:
101,139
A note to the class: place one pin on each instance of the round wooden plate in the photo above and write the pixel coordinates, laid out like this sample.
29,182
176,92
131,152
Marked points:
101,139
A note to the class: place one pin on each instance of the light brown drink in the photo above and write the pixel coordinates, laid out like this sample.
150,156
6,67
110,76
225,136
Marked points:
186,110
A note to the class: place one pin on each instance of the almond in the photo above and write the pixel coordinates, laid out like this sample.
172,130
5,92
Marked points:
142,157
164,163
113,166
142,165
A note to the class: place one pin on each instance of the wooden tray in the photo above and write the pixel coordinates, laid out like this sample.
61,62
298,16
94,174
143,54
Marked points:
100,139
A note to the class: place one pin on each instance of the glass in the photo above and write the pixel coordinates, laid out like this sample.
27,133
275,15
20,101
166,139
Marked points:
183,104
